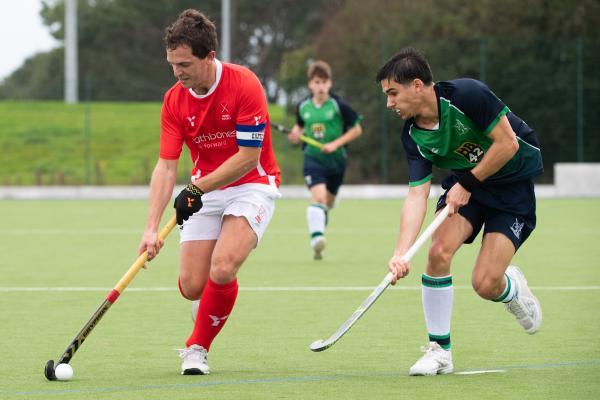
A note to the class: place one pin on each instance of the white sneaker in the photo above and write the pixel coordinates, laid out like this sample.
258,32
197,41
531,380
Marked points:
195,307
435,361
318,245
195,360
524,306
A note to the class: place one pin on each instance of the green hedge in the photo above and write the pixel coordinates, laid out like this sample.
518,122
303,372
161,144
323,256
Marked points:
51,143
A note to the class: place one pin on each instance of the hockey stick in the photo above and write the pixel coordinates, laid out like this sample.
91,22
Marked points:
109,301
305,139
320,345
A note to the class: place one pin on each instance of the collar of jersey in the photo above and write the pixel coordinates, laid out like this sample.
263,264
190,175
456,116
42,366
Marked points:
318,107
214,86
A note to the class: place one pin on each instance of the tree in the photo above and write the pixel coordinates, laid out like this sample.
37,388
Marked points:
527,55
270,29
37,78
121,51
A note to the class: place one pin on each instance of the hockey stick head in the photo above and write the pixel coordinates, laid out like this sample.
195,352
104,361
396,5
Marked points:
49,371
65,358
319,345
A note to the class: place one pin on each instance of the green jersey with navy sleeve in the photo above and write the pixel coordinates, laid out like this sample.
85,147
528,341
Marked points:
468,111
325,123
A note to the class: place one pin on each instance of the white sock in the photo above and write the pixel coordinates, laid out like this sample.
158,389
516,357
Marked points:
316,216
438,296
510,290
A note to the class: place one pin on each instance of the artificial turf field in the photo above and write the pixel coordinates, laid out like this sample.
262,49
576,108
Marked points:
60,258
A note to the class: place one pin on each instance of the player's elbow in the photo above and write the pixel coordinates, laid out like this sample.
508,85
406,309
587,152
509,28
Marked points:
165,169
358,130
513,146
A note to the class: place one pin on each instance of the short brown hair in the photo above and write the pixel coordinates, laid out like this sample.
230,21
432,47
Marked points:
319,69
193,29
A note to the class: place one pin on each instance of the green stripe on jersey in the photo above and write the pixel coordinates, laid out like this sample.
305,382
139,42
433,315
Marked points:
493,124
420,182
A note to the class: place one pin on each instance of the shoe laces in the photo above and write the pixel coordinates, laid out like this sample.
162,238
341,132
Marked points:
193,353
516,308
430,350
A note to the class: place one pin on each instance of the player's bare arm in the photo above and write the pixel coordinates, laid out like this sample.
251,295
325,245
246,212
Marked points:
348,136
231,170
411,220
161,188
295,133
503,148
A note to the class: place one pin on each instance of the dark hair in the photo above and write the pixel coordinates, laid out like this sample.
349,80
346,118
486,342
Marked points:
319,69
193,29
405,66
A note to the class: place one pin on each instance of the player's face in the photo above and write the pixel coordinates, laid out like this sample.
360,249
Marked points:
191,71
319,87
401,98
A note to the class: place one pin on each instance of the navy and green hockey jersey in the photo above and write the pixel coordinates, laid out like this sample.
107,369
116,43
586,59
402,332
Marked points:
468,111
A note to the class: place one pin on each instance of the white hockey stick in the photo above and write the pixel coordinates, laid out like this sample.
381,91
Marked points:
320,345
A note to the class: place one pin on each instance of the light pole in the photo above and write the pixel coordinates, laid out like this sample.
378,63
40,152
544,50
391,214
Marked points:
226,30
71,78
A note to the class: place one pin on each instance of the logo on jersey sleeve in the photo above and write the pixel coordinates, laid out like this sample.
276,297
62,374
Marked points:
471,151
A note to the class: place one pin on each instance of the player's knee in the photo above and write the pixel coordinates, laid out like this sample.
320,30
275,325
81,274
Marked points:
320,200
439,258
188,290
487,287
223,268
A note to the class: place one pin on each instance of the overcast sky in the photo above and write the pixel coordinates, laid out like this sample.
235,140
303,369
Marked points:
22,33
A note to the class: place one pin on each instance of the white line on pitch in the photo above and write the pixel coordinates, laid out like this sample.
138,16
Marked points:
483,371
272,288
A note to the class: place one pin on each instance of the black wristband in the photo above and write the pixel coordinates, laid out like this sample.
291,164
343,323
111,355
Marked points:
468,181
193,189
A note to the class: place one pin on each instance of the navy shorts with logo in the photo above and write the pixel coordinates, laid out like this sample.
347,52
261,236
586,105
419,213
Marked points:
505,208
316,173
